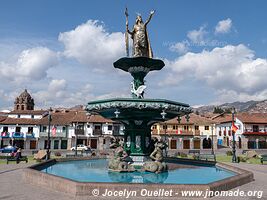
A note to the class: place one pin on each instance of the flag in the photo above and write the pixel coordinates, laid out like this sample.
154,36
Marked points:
234,128
54,130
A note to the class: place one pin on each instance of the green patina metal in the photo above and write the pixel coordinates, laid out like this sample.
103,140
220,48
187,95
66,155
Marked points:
138,67
138,114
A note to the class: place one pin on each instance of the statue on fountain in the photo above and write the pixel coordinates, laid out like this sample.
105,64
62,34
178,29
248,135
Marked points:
141,44
157,165
121,161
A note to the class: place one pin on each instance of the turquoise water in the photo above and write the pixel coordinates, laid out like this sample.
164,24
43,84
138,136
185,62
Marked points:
96,171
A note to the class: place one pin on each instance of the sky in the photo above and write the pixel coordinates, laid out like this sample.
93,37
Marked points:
62,52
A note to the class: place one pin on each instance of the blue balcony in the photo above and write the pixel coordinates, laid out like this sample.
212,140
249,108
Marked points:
30,135
17,135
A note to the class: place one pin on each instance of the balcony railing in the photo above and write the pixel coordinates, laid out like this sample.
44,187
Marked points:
18,135
79,132
176,132
58,134
97,132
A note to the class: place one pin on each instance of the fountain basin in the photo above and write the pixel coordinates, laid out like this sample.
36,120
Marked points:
228,177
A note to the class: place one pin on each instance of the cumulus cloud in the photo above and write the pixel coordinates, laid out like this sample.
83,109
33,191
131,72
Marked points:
230,68
58,94
197,36
180,47
31,64
92,45
223,26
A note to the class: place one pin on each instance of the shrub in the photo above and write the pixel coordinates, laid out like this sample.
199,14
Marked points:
229,153
183,155
242,159
58,154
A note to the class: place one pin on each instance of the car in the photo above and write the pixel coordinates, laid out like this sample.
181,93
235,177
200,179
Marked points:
80,147
9,149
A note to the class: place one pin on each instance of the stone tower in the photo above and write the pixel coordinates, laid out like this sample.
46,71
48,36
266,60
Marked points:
24,101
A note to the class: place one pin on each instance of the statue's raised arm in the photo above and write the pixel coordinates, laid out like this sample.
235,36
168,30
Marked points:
150,17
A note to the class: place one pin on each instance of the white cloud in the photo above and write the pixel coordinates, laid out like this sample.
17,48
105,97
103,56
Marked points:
180,47
223,26
92,45
230,68
31,64
197,36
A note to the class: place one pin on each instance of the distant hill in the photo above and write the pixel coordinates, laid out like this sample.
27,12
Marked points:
249,106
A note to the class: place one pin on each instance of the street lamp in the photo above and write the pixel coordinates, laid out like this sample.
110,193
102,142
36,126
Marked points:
75,132
48,135
234,160
212,149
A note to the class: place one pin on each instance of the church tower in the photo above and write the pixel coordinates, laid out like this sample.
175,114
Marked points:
24,101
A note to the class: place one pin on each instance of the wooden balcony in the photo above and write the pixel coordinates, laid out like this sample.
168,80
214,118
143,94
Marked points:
97,132
79,132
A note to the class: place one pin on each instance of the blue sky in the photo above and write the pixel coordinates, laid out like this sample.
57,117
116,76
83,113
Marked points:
215,51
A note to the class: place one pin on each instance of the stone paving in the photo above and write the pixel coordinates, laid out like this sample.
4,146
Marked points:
12,186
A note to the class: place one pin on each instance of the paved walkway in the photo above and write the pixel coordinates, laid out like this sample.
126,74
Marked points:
12,186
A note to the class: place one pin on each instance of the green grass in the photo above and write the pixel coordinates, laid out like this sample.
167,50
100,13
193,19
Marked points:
228,159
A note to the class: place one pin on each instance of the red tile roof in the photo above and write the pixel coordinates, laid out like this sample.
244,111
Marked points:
194,119
249,118
20,121
28,112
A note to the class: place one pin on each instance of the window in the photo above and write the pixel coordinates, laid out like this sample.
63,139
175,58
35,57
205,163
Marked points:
154,127
17,107
30,129
186,128
196,128
22,107
255,128
88,126
220,133
5,129
32,116
64,144
56,144
164,127
18,116
109,127
44,129
97,127
17,130
64,129
175,127
207,128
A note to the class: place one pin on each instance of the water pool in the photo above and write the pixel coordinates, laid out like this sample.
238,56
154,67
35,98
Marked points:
97,171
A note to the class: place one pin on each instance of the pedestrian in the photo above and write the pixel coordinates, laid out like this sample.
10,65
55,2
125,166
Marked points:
18,155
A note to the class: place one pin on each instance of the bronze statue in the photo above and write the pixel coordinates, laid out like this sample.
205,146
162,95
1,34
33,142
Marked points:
141,44
157,165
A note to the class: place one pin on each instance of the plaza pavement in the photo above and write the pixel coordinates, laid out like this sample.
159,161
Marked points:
12,186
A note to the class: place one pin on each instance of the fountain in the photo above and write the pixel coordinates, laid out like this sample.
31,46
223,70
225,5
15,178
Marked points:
140,156
138,114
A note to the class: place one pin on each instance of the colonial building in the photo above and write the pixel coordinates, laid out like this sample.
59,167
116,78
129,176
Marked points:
28,129
251,133
195,133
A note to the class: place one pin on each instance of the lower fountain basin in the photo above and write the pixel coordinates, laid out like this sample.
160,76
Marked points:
97,171
83,178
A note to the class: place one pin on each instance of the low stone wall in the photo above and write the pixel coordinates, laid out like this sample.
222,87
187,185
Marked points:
35,177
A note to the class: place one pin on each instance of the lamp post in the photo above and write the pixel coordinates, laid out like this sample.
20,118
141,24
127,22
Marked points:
48,135
212,148
165,134
234,160
75,132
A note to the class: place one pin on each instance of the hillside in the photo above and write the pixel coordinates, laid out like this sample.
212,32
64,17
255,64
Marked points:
249,106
